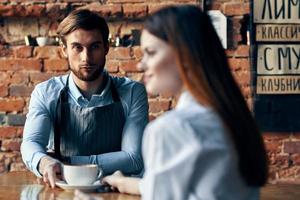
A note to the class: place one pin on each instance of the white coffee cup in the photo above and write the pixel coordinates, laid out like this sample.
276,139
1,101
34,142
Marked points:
81,174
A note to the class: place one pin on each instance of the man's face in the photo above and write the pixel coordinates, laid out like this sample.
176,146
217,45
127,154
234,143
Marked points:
86,53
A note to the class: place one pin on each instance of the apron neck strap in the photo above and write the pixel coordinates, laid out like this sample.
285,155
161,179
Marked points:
64,92
114,92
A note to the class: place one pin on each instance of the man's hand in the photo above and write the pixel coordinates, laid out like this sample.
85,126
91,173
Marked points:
50,168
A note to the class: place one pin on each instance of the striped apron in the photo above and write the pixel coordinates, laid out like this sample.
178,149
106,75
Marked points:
87,131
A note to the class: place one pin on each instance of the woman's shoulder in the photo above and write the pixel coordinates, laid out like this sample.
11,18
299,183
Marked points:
204,126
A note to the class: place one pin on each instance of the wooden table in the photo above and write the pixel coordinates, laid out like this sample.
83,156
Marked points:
25,186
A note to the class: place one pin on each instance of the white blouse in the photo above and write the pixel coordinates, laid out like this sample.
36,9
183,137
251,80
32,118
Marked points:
188,156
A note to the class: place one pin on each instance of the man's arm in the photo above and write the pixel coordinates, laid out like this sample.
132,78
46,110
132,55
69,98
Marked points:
129,159
36,132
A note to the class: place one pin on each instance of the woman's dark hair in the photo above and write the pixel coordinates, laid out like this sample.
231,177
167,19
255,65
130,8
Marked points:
83,19
206,74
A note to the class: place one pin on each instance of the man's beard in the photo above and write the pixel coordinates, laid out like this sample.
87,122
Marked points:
90,77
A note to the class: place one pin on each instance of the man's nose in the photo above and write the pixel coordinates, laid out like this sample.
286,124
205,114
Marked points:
85,56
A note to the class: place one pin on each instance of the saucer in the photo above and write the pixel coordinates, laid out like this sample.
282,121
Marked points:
65,186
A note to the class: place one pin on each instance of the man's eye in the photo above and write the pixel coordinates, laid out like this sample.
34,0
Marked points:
77,48
95,46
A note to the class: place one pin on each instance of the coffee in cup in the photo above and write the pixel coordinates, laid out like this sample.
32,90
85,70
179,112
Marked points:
81,174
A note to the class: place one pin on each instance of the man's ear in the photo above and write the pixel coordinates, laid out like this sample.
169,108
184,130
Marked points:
63,48
106,48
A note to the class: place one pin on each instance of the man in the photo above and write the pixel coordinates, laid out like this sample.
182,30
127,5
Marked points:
86,116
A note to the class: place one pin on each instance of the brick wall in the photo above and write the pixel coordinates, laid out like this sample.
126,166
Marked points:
22,67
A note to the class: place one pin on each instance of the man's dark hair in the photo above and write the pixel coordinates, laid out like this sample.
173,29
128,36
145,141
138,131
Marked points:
83,19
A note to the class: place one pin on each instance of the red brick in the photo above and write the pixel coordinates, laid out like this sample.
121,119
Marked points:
138,54
20,91
129,66
56,65
35,10
19,78
239,64
213,5
9,105
155,7
22,51
11,145
135,10
229,52
242,78
20,64
242,51
17,166
3,90
274,146
56,10
5,51
296,135
272,173
287,173
112,66
296,159
274,136
247,9
47,52
119,53
126,1
5,77
280,160
167,95
177,1
235,8
291,147
7,10
236,24
76,1
158,106
10,132
105,10
3,168
40,77
237,38
20,11
246,91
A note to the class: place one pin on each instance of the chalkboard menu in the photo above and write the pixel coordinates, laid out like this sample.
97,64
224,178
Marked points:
275,54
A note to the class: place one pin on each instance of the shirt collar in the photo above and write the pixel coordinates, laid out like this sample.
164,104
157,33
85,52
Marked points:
187,100
74,89
75,92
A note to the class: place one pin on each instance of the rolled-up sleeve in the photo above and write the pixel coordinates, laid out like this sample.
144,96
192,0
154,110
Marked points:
129,159
36,132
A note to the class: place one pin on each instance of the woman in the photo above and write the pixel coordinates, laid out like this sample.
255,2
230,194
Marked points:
209,146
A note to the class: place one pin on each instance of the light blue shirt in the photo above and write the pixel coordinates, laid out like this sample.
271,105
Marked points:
189,156
38,136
